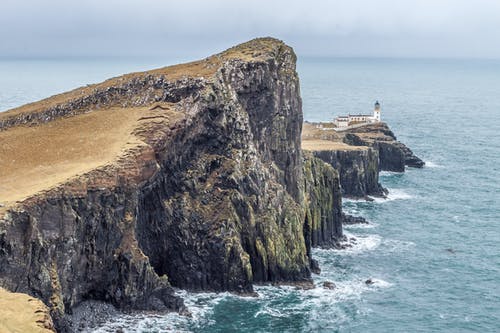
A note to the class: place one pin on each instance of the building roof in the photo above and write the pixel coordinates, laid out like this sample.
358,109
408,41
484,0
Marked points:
360,115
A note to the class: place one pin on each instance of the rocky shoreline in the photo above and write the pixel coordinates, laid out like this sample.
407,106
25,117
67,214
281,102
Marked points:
359,154
211,189
350,219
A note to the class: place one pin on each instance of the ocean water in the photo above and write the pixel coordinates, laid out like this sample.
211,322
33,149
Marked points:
433,247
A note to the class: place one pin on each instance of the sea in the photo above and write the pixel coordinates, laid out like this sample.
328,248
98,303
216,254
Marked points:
432,248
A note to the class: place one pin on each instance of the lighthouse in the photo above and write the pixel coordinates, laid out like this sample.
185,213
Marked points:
376,112
342,122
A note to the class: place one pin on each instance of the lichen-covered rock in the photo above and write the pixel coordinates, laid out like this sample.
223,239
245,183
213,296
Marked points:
393,155
323,224
66,249
358,170
358,154
356,163
210,194
350,219
227,209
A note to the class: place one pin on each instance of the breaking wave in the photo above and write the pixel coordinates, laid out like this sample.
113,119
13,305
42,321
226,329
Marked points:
430,164
394,194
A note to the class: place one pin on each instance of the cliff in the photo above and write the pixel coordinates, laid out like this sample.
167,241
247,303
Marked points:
393,155
358,154
189,176
323,223
358,169
357,165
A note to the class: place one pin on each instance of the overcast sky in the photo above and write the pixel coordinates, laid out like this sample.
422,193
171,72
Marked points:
388,28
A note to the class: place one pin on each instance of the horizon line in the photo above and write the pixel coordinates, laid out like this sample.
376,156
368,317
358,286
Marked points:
191,57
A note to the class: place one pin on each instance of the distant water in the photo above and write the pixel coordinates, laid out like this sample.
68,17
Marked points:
433,248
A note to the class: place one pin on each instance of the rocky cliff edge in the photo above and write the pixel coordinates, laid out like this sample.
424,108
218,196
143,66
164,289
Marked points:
358,154
189,176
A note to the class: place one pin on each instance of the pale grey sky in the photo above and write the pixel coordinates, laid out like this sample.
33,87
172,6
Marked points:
388,28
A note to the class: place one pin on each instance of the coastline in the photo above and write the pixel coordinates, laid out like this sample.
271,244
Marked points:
186,135
359,154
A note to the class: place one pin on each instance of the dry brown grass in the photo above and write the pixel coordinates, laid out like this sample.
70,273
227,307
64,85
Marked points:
317,145
37,158
40,157
21,313
311,132
315,139
203,68
206,68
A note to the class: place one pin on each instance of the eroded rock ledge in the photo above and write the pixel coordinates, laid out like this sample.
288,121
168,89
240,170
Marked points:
393,155
359,154
206,187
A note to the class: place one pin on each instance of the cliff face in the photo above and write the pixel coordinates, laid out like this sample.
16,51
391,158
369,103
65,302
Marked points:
226,209
323,223
358,154
358,170
206,193
393,155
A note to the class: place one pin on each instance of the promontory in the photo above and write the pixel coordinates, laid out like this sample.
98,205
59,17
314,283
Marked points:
190,176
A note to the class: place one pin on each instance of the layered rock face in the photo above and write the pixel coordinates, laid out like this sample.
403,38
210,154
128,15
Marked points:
393,155
209,191
358,154
323,224
226,210
358,170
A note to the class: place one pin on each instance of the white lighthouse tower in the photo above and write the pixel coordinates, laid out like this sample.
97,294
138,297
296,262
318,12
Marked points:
376,112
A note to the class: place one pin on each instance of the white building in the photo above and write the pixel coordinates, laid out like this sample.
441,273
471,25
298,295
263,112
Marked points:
352,119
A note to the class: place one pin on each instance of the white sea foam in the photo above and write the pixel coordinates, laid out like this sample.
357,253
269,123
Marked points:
171,322
394,194
351,211
355,244
360,244
353,200
430,164
388,173
343,291
379,283
392,245
360,226
200,305
315,298
270,312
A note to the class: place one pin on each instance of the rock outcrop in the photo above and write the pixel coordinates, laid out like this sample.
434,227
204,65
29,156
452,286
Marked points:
207,190
358,170
350,219
358,154
323,223
393,155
